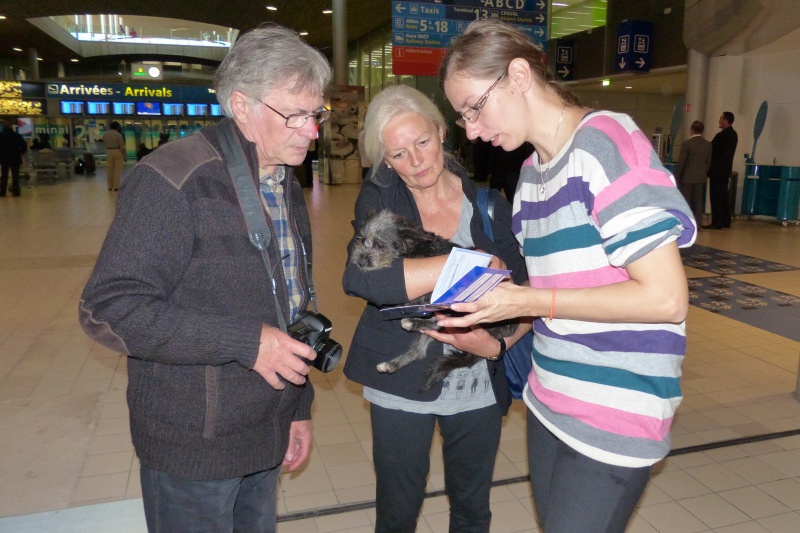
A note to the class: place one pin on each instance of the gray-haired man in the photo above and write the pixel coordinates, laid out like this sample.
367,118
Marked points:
218,398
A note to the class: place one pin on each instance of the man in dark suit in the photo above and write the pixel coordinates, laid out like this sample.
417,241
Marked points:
12,146
692,170
723,148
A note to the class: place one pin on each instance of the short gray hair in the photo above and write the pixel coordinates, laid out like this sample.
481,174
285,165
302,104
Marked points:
267,58
389,103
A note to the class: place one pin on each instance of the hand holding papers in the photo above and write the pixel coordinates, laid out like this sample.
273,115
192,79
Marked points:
465,278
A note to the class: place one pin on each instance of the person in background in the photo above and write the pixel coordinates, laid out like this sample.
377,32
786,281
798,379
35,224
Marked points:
362,155
308,163
142,151
599,220
12,146
723,148
691,173
218,394
114,143
404,138
506,167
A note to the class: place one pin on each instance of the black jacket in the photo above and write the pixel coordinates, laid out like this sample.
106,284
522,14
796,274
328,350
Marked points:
179,287
723,149
376,340
12,146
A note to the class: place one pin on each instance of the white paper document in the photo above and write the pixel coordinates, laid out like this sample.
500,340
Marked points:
465,278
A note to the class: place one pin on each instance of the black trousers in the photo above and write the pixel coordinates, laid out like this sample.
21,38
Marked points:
720,202
5,168
401,444
574,493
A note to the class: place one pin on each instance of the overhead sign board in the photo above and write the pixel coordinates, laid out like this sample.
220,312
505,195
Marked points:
564,53
634,45
422,30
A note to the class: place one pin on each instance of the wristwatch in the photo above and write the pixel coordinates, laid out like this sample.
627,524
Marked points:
502,350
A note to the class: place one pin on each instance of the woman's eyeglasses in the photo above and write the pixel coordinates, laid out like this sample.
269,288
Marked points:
472,113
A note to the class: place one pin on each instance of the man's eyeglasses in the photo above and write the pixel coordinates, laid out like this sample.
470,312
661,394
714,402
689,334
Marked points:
298,120
472,113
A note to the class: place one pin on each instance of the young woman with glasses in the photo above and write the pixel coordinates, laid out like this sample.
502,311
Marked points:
599,221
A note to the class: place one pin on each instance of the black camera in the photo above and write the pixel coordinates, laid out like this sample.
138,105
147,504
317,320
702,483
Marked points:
314,329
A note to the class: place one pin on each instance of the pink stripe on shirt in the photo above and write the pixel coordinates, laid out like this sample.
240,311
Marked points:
608,419
622,185
576,280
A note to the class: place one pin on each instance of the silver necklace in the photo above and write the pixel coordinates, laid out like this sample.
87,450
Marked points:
543,189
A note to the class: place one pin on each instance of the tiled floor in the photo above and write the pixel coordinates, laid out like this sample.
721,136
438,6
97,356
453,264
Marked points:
67,464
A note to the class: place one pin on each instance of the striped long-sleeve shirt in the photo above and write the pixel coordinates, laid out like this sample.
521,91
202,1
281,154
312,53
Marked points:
609,391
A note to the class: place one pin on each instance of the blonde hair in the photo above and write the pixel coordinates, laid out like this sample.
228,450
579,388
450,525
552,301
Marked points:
388,104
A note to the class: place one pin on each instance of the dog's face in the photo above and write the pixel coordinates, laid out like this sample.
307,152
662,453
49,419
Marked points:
378,242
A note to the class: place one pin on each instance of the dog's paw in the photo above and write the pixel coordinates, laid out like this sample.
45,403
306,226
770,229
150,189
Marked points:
419,324
387,368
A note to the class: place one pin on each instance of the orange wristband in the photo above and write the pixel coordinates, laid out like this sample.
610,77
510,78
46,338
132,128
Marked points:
552,305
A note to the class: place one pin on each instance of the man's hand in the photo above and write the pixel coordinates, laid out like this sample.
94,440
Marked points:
278,356
299,444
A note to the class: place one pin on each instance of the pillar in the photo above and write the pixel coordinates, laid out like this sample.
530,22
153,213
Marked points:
339,42
33,60
696,84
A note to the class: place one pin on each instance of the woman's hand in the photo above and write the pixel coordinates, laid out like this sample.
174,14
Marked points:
475,340
505,301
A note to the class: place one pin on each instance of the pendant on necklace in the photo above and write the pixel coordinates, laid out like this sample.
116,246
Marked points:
543,189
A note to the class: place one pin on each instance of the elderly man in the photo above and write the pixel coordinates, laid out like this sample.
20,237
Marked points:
691,172
217,394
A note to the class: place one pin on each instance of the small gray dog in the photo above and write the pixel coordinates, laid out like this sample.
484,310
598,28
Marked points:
384,237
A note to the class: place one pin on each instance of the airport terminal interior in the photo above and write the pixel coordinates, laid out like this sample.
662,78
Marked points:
67,464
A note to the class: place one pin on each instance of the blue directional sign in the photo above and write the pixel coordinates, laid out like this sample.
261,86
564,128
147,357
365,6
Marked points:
634,45
564,51
433,24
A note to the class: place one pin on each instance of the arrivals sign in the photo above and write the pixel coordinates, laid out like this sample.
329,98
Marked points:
422,30
120,91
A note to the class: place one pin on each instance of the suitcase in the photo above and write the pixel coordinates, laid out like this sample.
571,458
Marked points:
91,165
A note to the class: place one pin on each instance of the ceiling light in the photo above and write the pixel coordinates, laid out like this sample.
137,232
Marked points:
74,60
17,49
272,8
40,59
303,33
2,17
606,82
628,87
327,11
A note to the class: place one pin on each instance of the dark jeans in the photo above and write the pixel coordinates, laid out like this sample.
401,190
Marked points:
574,493
243,504
4,171
720,202
401,444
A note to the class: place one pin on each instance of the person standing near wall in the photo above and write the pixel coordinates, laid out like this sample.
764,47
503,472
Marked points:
12,146
115,152
723,148
692,170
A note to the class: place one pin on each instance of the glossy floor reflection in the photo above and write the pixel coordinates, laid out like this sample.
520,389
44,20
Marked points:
67,463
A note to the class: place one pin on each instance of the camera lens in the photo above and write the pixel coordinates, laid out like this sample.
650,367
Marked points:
328,354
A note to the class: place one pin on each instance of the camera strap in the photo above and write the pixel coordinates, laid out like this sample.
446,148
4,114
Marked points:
250,203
